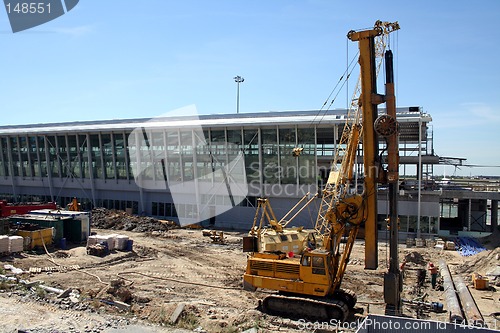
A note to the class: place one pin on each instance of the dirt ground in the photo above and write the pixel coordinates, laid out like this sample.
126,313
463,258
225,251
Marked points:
182,267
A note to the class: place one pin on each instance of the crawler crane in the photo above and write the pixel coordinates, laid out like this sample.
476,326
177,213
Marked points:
310,286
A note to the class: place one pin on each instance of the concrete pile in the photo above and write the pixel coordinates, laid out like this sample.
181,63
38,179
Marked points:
4,244
103,218
16,244
111,242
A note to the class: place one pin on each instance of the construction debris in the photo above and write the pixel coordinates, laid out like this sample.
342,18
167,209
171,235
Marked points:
177,312
97,250
103,218
62,269
430,306
415,258
53,290
13,269
184,268
215,236
481,262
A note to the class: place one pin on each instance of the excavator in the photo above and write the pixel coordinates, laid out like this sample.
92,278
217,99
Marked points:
309,285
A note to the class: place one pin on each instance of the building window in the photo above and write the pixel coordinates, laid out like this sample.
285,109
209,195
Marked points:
53,162
173,157
83,156
251,151
35,162
157,155
25,160
288,163
449,209
107,152
270,167
120,151
4,170
43,159
307,159
62,158
96,155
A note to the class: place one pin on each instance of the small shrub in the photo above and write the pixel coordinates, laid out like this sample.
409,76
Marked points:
160,315
5,285
40,292
188,321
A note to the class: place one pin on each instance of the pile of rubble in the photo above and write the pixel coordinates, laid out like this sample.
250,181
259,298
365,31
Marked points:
486,263
416,258
103,218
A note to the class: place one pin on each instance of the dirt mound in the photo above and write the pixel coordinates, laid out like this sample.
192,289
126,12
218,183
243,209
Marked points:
103,218
492,241
481,263
415,258
119,291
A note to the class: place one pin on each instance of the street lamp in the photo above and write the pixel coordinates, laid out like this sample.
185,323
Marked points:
238,79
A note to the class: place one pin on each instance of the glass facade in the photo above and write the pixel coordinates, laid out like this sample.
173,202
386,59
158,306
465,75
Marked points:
176,155
104,156
104,161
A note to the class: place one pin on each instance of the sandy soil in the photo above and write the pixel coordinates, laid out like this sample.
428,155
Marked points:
181,266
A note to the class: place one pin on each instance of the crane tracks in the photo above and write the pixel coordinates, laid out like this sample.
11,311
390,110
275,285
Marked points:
306,308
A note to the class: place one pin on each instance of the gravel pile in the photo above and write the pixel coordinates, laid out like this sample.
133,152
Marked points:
103,218
71,322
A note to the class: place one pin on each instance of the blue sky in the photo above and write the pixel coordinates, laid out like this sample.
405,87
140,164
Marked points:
127,59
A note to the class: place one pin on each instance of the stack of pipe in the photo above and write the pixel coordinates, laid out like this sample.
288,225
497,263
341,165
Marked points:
450,294
471,311
469,246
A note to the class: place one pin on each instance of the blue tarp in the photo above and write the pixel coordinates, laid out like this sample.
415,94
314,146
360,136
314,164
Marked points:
468,246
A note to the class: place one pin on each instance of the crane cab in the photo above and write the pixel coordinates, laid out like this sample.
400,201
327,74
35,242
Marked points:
315,272
309,274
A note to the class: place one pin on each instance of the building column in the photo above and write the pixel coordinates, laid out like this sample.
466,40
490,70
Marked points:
49,167
494,215
469,215
139,177
197,202
11,168
90,170
261,163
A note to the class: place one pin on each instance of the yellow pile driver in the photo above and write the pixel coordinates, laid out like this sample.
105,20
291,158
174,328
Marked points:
309,285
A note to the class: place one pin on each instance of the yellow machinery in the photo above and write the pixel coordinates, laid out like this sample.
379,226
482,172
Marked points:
309,286
74,206
34,238
268,234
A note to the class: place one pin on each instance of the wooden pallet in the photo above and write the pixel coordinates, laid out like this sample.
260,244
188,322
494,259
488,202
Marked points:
61,269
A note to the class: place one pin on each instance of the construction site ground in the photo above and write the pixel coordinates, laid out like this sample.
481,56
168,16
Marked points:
180,269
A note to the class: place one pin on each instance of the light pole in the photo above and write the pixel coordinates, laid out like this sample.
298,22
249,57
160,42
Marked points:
238,79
